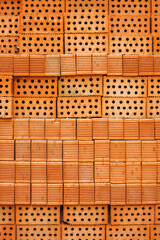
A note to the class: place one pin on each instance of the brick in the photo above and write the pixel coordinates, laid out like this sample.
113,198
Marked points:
36,127
133,194
102,193
86,193
22,193
70,172
130,65
149,194
54,172
68,129
86,151
52,129
7,150
7,172
54,151
118,194
101,172
117,151
37,65
116,129
39,194
38,150
133,172
6,64
6,193
21,65
131,129
145,65
38,172
52,65
85,172
101,150
84,65
22,150
23,173
149,172
149,151
71,194
133,151
70,151
156,64
21,129
114,65
55,194
157,128
84,129
6,129
100,128
68,64
99,63
117,172
146,129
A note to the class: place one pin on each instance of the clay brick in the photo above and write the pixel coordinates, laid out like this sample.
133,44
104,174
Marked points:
101,172
84,65
7,150
7,172
68,64
85,172
149,194
22,150
145,65
38,172
6,86
158,172
6,128
23,172
149,172
86,193
158,150
157,128
6,107
157,213
71,194
21,65
37,65
101,150
84,129
54,151
38,151
153,109
102,193
52,65
155,229
133,194
7,214
70,151
156,64
131,129
70,172
68,129
22,193
21,129
99,63
6,193
133,151
52,129
100,128
114,65
39,194
158,193
118,194
149,151
117,151
133,172
55,194
130,65
116,129
117,172
86,151
146,129
36,127
54,172
8,232
6,64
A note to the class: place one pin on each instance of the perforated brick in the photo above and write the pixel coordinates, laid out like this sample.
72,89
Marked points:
155,232
7,232
6,107
9,25
8,45
7,214
10,7
85,215
154,86
120,107
153,107
79,107
6,86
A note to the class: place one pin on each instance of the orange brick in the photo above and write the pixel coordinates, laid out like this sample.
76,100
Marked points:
23,172
130,65
158,150
6,128
149,194
87,193
156,64
86,151
101,150
71,194
54,172
102,193
101,171
21,129
114,65
52,65
54,151
149,151
84,64
68,64
68,129
22,193
37,65
146,129
52,129
117,172
157,128
36,127
38,172
133,172
85,172
145,65
21,65
99,63
22,148
6,193
117,151
118,194
70,151
6,64
116,129
131,129
55,194
84,129
7,172
70,172
149,172
39,194
7,150
133,151
38,151
133,194
100,128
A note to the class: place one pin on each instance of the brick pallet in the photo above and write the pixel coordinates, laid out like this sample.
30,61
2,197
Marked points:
79,120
